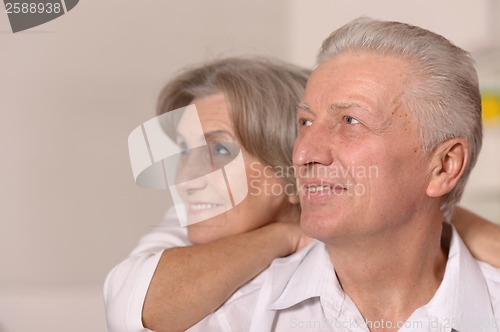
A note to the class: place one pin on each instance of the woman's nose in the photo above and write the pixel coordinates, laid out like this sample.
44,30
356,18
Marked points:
192,170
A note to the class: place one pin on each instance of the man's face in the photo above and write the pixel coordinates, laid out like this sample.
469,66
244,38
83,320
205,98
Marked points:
359,164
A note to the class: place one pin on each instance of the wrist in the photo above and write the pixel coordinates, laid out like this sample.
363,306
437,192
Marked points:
284,237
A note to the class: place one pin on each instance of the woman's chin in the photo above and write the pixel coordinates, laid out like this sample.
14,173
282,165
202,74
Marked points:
206,231
197,237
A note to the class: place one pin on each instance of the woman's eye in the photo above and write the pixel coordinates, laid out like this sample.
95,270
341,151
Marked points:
350,120
305,123
220,149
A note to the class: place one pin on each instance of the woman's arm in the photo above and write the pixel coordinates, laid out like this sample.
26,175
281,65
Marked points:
191,282
165,284
481,236
127,283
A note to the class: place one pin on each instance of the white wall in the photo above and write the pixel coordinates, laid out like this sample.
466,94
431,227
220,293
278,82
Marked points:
71,91
464,22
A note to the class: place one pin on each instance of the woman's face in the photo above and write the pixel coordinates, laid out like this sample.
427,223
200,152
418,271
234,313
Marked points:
207,198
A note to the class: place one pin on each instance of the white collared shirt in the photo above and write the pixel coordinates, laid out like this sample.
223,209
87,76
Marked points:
302,293
308,297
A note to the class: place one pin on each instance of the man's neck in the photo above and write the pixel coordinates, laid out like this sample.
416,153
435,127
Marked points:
390,275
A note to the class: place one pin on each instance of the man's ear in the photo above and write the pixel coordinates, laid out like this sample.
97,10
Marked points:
447,165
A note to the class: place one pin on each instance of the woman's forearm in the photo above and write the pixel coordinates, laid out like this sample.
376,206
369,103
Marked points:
481,236
191,282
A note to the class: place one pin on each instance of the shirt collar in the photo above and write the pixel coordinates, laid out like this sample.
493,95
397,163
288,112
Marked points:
312,276
462,299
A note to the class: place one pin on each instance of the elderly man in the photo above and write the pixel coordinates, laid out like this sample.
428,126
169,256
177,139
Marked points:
389,130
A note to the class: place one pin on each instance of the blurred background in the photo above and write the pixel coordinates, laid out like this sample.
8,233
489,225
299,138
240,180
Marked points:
72,90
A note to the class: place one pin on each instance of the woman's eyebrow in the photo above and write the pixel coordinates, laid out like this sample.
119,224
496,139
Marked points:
219,135
210,136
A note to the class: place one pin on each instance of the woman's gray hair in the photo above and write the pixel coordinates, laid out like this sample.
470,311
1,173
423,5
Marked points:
263,95
441,89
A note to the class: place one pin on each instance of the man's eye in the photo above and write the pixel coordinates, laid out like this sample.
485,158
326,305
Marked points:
350,120
304,123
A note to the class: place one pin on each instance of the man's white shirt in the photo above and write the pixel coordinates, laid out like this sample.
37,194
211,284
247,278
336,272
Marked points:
308,297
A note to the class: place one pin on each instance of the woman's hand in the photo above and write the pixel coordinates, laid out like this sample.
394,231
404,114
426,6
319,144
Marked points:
297,238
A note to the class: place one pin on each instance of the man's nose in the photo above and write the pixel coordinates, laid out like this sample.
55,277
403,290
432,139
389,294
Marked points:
313,146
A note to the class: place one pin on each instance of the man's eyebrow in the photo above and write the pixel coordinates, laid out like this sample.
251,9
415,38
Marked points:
303,106
337,106
346,105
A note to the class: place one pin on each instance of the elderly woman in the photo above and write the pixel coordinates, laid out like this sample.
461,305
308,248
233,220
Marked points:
177,278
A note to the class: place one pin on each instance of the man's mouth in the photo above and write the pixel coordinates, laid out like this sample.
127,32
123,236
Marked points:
323,190
314,189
